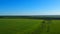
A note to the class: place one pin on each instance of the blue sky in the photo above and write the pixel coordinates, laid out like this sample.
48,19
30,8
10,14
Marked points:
29,7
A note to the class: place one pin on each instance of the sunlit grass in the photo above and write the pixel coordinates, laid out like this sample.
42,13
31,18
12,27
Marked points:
28,26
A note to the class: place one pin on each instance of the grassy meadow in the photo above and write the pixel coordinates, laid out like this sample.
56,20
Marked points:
28,26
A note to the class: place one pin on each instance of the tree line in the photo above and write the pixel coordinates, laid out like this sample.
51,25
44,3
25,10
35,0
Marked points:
28,17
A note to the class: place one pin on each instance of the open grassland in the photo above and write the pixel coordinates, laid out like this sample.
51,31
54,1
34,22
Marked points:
28,26
18,26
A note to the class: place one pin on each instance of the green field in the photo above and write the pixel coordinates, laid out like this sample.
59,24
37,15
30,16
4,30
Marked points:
28,26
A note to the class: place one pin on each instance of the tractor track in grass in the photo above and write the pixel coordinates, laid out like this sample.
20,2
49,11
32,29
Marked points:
42,29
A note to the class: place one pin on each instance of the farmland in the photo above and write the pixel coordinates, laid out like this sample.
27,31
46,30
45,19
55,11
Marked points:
28,26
